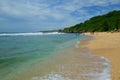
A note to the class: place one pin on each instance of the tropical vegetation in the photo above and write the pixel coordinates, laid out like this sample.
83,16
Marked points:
108,22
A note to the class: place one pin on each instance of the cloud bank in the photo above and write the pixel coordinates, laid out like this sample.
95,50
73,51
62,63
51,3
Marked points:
32,15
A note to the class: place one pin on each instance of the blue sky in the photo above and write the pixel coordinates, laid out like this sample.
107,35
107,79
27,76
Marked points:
36,15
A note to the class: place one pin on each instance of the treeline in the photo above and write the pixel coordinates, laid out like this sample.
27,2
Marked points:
102,23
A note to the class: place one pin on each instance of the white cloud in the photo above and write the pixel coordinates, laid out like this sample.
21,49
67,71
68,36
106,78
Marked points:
56,10
31,8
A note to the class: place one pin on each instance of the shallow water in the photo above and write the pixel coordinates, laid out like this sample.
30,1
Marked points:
46,56
79,66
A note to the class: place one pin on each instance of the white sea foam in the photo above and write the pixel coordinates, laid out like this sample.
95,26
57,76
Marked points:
56,76
99,71
51,76
29,34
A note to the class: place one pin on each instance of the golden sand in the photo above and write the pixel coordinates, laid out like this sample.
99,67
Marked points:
107,45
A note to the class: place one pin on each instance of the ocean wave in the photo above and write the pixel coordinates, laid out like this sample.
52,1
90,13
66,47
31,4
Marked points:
89,76
51,76
29,34
98,68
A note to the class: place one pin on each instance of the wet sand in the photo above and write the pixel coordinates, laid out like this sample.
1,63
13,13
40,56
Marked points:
107,45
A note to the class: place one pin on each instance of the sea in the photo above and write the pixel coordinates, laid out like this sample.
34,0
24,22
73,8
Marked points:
49,56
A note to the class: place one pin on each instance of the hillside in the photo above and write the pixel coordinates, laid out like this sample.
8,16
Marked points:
101,23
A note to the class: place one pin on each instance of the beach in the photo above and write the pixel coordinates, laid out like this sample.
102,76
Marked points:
107,45
59,57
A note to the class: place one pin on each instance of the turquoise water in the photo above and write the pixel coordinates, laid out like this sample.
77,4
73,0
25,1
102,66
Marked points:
49,56
17,51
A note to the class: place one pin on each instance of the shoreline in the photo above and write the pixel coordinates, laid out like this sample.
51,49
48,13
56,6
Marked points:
107,45
77,63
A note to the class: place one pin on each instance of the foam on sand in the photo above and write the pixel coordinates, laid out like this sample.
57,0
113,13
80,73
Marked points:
51,76
96,68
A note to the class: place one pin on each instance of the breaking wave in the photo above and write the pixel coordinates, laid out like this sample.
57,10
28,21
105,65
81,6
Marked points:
96,69
52,76
29,34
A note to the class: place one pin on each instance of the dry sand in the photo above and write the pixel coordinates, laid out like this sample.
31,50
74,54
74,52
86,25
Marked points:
107,45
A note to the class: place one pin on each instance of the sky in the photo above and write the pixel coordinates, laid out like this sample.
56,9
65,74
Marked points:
37,15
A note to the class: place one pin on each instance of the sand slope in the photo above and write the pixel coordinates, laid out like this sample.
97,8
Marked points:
107,45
